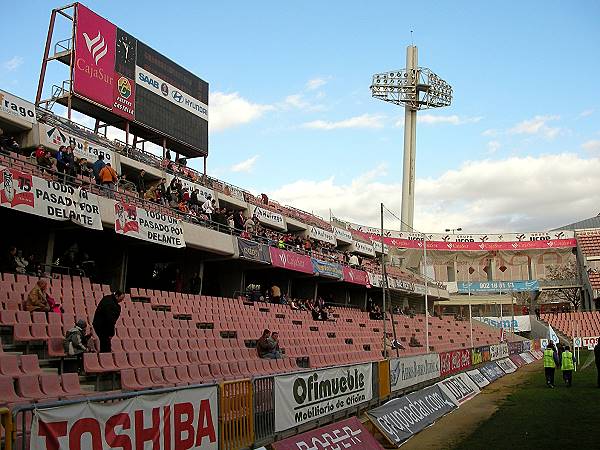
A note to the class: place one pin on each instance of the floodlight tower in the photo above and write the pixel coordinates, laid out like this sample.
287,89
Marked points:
415,88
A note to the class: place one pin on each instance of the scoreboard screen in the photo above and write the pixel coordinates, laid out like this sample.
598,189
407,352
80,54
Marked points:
137,83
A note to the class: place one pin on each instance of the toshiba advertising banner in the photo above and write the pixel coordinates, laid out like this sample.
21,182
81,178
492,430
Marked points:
406,372
303,397
151,226
94,74
33,195
347,434
187,418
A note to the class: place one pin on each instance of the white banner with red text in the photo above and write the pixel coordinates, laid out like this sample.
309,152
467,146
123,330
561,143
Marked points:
27,193
473,242
186,418
151,226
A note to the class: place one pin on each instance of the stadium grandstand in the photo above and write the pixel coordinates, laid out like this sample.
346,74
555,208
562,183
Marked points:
206,266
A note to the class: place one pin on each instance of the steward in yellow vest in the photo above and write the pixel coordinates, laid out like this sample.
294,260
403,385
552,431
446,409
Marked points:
550,363
567,366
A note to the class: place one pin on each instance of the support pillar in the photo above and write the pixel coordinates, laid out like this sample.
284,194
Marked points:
123,271
201,275
50,248
127,134
410,148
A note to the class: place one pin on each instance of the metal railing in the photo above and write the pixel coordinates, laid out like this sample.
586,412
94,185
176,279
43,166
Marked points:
236,415
264,408
6,424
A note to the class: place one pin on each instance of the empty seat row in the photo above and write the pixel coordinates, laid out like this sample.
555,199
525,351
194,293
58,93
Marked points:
36,388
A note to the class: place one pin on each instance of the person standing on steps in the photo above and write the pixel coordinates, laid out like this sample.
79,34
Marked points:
106,316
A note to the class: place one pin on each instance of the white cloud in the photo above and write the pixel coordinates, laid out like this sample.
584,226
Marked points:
315,83
246,165
537,126
491,132
514,194
591,146
433,119
296,101
493,146
363,121
230,110
586,113
14,63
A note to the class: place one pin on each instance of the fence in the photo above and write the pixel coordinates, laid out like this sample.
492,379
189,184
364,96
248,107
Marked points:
246,408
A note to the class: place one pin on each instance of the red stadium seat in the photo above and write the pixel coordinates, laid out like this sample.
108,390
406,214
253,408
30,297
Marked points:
8,396
170,376
157,377
50,385
30,365
183,375
9,366
129,381
121,362
142,376
28,386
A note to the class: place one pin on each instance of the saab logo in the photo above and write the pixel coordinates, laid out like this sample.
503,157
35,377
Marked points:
164,89
446,238
559,235
124,87
146,79
177,96
283,259
97,47
483,238
520,237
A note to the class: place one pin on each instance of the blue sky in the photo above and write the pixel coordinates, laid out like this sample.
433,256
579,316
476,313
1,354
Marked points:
293,115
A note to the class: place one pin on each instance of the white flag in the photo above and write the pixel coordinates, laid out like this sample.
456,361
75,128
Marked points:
552,335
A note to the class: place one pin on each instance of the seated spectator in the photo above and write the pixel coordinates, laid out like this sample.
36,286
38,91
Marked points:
275,294
414,342
274,341
376,313
265,346
21,262
34,267
353,261
8,143
76,341
294,304
249,225
10,262
37,299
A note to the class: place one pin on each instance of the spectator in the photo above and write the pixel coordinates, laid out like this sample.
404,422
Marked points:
369,305
42,158
376,313
208,207
81,168
537,313
108,177
249,226
8,143
239,220
275,294
106,316
141,183
37,299
97,168
76,341
168,155
414,342
195,284
34,267
69,163
162,191
61,164
21,262
353,261
274,342
151,194
10,262
264,346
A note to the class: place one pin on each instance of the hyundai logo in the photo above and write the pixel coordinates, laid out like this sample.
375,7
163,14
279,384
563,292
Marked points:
177,96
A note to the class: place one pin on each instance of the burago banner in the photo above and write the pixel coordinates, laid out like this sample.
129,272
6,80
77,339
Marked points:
151,226
347,434
303,397
27,193
290,260
15,109
401,418
520,323
186,418
480,355
55,137
412,370
363,248
271,218
527,357
454,361
459,388
491,371
321,235
253,251
94,74
507,365
498,351
355,276
478,378
327,269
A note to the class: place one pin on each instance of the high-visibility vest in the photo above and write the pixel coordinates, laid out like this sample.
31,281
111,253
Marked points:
567,361
549,358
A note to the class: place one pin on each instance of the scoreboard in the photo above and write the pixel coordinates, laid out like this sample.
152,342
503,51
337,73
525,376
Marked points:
135,82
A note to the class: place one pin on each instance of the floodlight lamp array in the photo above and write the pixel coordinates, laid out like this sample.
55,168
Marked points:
413,88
